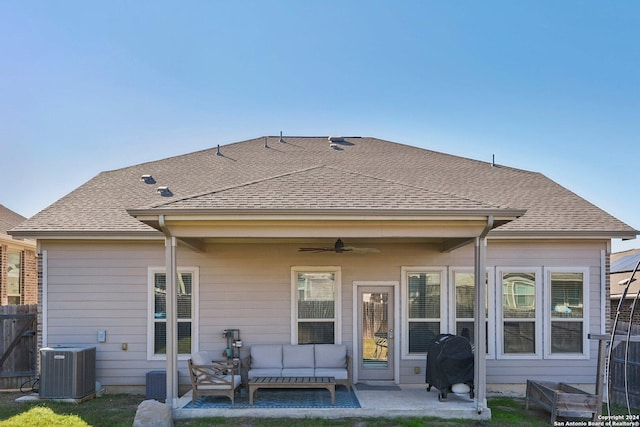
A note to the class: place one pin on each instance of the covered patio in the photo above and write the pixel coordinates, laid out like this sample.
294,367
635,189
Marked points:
374,400
452,230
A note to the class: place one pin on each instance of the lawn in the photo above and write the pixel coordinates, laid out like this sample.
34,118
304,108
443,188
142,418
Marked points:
120,409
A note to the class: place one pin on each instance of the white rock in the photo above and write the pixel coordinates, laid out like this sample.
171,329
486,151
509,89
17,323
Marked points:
152,413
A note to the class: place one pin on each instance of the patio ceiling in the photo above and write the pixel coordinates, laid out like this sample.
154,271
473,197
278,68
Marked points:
450,230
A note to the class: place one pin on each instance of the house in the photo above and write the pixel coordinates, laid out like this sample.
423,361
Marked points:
623,265
354,240
18,263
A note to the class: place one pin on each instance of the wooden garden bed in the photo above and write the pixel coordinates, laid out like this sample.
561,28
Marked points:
561,400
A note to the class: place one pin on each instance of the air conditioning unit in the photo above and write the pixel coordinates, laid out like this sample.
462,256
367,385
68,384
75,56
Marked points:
67,372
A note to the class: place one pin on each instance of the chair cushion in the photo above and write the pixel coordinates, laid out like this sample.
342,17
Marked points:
266,356
297,356
237,380
202,358
331,355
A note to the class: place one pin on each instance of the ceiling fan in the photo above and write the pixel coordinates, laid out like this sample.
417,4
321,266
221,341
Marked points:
339,248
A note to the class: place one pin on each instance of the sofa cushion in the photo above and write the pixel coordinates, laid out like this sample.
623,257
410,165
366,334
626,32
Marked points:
266,356
331,355
297,356
337,373
298,372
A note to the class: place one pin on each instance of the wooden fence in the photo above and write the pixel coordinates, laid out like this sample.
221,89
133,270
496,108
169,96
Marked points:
18,344
625,368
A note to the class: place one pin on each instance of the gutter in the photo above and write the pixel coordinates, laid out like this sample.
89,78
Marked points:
480,212
487,228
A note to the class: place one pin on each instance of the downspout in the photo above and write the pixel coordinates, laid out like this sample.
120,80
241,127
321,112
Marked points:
170,244
480,354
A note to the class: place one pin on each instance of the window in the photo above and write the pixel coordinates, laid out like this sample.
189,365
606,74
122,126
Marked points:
14,277
520,312
566,310
186,291
464,298
424,299
316,305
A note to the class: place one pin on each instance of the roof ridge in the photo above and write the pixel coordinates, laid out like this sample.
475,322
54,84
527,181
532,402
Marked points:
233,187
321,166
419,187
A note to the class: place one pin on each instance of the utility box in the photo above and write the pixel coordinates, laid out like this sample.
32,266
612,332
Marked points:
67,372
156,385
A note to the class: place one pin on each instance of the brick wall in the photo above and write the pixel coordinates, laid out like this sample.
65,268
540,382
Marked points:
625,310
28,276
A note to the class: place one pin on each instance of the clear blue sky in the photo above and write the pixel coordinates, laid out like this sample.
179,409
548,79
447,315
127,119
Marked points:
547,86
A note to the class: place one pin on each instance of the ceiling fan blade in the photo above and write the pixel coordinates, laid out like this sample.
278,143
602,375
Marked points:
361,250
339,247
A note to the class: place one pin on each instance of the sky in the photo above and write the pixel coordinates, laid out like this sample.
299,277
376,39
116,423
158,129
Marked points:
545,86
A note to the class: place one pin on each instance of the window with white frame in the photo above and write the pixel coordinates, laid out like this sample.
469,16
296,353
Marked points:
566,311
463,300
316,305
14,277
424,299
186,291
520,312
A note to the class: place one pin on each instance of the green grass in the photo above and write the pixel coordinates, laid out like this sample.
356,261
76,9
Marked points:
108,411
120,409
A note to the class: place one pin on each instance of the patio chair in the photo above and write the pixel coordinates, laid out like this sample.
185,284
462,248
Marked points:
212,378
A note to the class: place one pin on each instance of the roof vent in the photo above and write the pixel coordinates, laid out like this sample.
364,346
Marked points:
336,138
164,191
281,140
334,146
218,153
147,179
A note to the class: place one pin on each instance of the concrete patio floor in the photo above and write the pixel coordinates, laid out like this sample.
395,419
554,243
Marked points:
408,401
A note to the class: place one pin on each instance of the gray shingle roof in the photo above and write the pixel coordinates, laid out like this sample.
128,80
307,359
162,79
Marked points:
305,172
9,219
331,189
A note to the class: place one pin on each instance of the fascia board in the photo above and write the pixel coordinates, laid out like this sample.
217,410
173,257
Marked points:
625,235
333,214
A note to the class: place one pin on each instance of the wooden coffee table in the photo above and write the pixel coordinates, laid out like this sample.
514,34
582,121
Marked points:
292,382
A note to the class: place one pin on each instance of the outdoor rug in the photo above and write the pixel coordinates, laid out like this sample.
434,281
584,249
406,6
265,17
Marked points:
280,398
374,387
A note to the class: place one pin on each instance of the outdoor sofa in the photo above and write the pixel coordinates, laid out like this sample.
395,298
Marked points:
304,360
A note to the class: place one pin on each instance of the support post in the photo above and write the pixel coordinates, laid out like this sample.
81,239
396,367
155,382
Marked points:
480,331
171,329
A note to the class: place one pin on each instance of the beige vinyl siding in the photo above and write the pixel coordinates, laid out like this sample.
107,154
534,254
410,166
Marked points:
94,285
551,254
